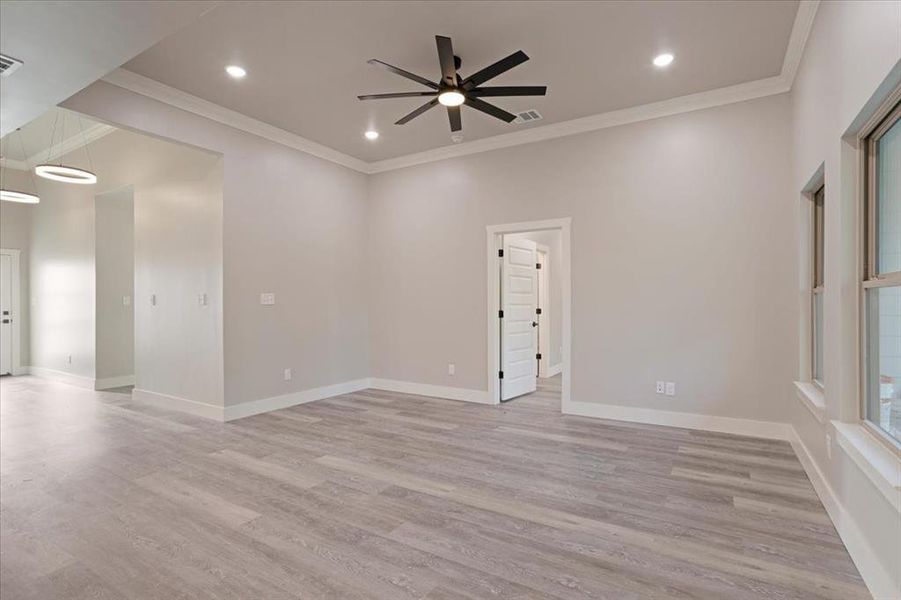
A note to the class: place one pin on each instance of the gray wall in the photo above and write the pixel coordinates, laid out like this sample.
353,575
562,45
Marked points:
681,228
294,225
115,278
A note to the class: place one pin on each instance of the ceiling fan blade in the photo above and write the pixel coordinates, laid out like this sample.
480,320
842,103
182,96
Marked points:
446,60
396,95
490,109
453,115
418,111
519,90
402,73
492,71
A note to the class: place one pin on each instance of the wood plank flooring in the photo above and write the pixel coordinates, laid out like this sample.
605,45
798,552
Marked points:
384,495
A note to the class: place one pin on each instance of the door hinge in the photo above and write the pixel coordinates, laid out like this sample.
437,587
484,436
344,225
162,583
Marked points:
500,314
500,253
538,356
537,311
537,265
500,374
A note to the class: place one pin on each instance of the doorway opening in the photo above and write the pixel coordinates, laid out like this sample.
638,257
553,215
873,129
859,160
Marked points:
9,312
529,308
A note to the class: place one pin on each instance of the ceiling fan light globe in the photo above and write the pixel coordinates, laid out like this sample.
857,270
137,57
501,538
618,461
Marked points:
451,98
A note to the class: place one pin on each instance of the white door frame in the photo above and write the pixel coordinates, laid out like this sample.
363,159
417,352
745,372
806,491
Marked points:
493,234
15,296
544,299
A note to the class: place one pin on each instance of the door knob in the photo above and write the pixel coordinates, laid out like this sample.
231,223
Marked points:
534,324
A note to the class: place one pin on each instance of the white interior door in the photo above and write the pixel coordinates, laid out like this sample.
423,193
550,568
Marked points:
544,321
6,328
519,299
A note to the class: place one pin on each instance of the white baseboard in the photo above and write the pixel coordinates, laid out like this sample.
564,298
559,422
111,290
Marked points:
435,391
749,427
113,382
255,407
199,409
554,370
61,376
879,581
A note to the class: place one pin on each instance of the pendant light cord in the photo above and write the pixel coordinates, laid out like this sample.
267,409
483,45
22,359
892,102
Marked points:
52,136
84,141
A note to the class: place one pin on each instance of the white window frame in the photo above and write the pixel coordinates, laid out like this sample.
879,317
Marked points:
882,120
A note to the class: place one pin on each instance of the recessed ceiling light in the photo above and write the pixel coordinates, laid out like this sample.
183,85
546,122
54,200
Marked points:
372,135
451,98
663,60
235,71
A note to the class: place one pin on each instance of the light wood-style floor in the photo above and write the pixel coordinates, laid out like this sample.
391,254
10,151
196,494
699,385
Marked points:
382,495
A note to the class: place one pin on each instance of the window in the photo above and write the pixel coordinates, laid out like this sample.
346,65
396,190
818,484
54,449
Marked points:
819,212
882,277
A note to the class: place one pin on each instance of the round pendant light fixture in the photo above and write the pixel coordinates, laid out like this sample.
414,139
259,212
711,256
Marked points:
65,174
10,195
14,196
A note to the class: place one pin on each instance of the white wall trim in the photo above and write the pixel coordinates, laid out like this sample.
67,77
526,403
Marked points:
554,370
210,110
493,233
750,90
256,407
807,10
812,398
107,383
749,427
434,391
879,581
874,459
61,376
193,407
15,275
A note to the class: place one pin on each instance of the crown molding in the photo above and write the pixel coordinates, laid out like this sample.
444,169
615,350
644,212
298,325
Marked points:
644,112
807,10
70,144
760,88
210,110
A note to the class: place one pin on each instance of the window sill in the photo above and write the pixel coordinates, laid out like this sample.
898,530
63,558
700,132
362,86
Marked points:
880,464
812,397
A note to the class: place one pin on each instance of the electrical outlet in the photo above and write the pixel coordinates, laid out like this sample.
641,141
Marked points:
126,300
287,374
670,388
201,299
828,446
267,298
660,389
451,368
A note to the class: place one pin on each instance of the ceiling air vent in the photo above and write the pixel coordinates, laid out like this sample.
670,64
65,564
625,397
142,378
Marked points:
527,116
8,64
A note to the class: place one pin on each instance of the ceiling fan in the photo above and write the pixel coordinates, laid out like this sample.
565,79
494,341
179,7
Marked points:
452,90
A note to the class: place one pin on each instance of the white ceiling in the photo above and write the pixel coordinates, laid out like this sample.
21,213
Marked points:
307,60
31,144
66,46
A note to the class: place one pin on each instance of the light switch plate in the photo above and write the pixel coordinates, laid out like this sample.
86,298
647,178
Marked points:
287,374
451,368
670,388
152,299
267,298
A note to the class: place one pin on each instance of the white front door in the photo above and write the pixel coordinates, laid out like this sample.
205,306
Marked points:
519,299
6,328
